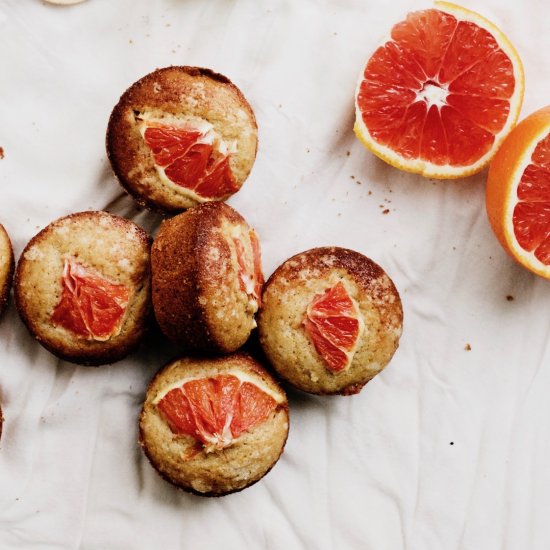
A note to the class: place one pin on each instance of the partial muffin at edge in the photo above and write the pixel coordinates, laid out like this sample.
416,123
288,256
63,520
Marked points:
207,278
284,316
7,265
180,97
183,460
82,287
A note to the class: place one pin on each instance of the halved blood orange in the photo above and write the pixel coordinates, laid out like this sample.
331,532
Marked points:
251,277
518,193
91,306
441,94
334,324
191,159
216,410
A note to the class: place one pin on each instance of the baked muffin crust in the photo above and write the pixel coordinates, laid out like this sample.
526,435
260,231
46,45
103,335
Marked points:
178,96
289,291
177,458
110,246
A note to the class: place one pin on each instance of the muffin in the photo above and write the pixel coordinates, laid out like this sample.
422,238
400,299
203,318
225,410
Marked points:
330,320
181,136
6,268
82,287
207,278
213,426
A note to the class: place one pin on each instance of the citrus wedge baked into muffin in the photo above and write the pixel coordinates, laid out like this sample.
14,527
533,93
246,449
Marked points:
214,426
330,320
181,136
82,287
6,268
207,278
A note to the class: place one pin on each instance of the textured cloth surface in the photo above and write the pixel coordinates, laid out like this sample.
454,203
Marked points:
447,449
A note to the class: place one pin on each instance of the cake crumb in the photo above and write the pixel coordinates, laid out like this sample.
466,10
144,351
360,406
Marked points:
352,177
386,211
1,153
467,347
510,298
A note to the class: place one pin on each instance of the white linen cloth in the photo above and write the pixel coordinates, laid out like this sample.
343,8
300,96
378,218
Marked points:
446,449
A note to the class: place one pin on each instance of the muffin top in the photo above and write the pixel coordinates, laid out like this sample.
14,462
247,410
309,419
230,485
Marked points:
331,319
207,278
82,286
181,136
236,430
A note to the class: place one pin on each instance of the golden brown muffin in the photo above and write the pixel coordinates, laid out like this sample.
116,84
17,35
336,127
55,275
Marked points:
207,278
213,426
6,268
330,320
82,287
181,136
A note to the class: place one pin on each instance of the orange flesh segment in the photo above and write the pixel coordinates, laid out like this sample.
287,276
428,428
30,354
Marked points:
215,410
91,306
531,216
439,90
251,278
187,162
332,325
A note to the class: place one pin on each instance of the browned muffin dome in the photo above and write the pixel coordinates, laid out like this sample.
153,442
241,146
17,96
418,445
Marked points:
213,426
207,278
330,320
181,136
6,268
82,287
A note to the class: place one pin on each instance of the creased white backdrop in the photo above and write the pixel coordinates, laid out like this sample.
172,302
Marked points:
446,449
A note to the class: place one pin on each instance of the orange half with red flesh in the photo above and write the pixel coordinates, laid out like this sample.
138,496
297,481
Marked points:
334,324
518,193
191,159
91,306
216,410
441,94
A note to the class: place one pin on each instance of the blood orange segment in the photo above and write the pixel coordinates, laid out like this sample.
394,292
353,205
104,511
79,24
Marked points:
191,159
441,94
251,278
334,325
216,410
91,306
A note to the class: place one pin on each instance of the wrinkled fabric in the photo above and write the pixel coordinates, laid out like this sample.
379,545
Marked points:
447,449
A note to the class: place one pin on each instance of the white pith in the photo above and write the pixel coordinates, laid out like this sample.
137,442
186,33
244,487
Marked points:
427,168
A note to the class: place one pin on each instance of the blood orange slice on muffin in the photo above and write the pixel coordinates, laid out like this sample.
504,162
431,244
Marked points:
181,136
214,425
334,324
91,306
441,94
218,409
82,287
251,278
191,159
518,193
